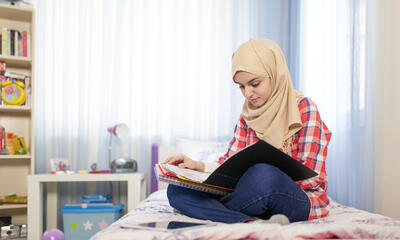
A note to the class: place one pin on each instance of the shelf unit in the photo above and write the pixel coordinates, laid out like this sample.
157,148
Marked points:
14,109
14,169
13,206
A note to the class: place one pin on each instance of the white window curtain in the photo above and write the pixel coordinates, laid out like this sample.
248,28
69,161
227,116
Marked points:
161,67
336,72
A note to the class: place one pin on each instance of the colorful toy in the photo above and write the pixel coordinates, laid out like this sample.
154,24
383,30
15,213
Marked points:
13,93
53,234
22,151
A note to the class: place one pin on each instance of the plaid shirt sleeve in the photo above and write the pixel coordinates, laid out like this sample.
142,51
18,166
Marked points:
313,141
242,137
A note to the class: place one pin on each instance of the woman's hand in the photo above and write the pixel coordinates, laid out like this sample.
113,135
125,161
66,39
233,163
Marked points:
183,161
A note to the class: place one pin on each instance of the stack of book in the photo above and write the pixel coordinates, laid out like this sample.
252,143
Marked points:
188,178
13,42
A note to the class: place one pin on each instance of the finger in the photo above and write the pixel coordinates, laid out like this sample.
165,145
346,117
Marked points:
174,161
186,165
170,159
183,165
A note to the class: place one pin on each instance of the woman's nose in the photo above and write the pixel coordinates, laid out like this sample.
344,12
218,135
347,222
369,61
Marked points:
247,92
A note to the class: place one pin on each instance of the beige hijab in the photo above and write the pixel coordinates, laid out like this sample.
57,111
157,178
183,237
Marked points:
279,118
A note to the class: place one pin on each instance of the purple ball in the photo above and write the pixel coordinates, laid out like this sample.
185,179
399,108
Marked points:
53,234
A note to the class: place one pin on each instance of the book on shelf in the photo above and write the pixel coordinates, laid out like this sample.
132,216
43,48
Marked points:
2,140
13,42
4,41
24,44
9,42
16,52
20,49
224,179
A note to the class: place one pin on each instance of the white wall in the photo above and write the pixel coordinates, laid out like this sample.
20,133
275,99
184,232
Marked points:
386,18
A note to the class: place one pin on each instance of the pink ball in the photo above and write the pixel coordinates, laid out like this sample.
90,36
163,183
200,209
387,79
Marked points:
53,234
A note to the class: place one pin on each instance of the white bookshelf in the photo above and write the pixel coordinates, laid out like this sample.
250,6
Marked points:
14,169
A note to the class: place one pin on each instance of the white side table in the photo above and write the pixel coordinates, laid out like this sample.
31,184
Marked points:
136,191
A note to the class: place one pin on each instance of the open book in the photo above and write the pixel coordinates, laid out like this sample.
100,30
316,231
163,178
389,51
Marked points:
186,173
227,175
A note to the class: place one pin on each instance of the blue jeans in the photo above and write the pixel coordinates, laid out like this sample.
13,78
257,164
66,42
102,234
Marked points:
261,192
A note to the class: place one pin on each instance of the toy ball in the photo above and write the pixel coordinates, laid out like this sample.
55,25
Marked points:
53,234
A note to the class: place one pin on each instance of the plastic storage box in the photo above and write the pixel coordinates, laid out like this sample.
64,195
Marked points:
96,198
82,221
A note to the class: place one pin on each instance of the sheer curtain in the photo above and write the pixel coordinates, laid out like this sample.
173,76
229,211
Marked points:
335,71
161,67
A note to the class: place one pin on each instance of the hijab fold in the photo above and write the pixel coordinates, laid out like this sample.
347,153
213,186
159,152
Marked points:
279,118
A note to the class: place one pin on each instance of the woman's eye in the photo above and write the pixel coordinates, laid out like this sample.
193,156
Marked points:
241,87
255,84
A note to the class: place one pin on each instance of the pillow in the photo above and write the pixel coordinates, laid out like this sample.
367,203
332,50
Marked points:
201,150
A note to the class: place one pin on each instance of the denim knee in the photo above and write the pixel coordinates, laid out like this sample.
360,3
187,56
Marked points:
265,190
261,175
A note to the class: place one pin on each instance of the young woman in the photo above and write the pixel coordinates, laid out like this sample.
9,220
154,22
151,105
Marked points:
273,112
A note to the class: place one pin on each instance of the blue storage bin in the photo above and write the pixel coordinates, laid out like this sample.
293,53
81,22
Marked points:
96,198
82,221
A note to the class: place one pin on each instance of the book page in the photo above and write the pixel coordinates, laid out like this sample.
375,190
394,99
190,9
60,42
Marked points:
187,173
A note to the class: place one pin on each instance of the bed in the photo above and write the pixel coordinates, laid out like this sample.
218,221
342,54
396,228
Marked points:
342,221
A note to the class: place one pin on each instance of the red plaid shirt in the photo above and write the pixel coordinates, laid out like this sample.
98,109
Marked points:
309,147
